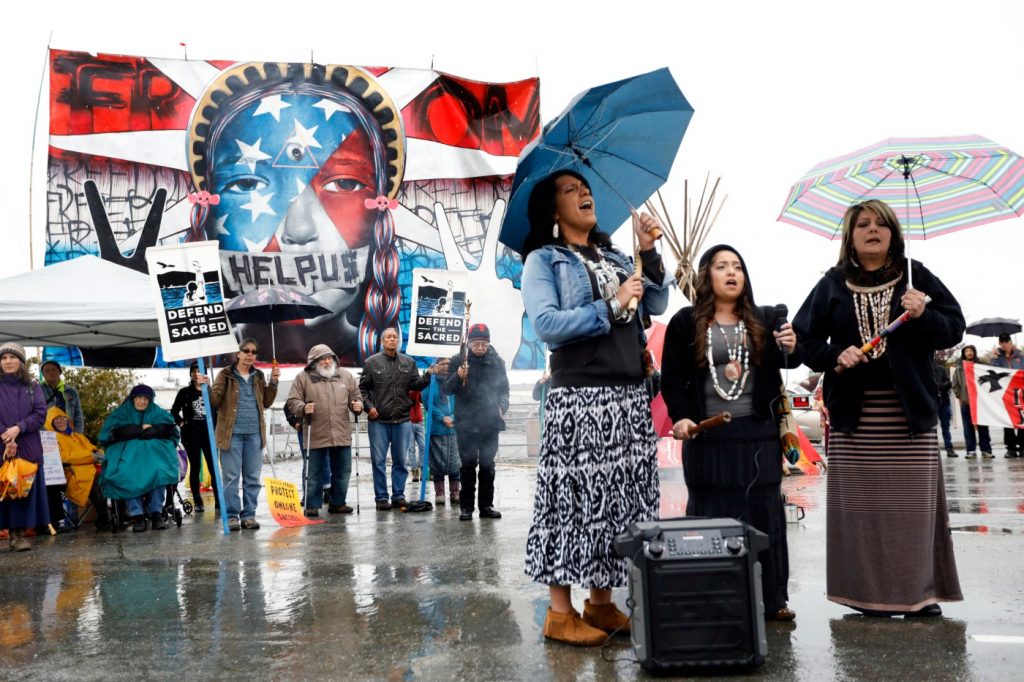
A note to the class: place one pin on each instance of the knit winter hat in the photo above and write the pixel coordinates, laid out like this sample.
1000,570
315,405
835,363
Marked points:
141,390
479,331
15,349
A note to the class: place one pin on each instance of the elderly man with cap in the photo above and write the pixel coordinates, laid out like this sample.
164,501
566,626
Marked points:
58,394
480,387
323,395
1009,356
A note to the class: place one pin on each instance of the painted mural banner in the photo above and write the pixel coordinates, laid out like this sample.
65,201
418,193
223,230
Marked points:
189,300
439,312
336,180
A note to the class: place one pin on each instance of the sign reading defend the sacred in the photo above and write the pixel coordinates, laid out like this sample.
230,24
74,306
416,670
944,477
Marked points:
438,310
187,286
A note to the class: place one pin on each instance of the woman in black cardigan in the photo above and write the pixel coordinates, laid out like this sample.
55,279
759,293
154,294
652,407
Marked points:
889,548
722,355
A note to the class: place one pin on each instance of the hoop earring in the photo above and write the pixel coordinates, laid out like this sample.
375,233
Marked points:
554,230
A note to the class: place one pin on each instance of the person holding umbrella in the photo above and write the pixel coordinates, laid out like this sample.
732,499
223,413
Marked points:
722,355
885,474
240,393
324,394
597,471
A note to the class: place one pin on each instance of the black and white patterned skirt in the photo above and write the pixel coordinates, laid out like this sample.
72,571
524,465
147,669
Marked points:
597,473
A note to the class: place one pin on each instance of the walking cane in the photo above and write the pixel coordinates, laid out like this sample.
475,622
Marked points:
305,466
357,463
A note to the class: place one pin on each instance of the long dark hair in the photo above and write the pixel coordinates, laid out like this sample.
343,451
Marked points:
541,211
704,313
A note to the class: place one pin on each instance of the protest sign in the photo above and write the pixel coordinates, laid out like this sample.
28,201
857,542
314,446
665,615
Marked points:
53,469
438,312
285,504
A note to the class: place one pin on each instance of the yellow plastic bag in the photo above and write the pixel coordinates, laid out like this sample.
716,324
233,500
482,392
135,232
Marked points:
16,478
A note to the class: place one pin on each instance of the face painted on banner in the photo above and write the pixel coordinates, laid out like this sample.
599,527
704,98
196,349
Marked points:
306,161
293,172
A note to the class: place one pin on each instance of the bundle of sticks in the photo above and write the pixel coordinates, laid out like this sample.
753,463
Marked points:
697,223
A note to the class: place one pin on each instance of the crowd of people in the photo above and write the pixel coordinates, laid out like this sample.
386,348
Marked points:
597,467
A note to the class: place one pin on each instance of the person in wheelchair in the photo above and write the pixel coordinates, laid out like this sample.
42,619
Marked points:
140,439
79,457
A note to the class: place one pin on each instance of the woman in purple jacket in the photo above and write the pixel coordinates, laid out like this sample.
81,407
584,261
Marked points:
22,413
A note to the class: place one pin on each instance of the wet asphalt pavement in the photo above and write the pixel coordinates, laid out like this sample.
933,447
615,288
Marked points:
387,595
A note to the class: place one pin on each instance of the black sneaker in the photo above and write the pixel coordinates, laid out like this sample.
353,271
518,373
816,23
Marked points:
139,524
950,452
383,505
489,513
465,515
312,513
198,508
400,503
930,611
157,521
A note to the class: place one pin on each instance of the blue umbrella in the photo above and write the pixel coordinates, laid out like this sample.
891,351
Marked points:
622,137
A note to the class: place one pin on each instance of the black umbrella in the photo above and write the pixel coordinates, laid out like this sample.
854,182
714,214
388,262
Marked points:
273,304
994,326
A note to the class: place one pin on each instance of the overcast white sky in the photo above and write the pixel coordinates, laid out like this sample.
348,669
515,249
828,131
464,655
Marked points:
777,87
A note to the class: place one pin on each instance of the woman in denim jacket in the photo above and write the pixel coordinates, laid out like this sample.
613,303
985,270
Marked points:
597,471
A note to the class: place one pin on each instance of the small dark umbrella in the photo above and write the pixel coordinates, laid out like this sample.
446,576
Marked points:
273,304
994,326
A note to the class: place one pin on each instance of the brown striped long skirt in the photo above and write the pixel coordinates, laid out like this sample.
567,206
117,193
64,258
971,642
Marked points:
889,546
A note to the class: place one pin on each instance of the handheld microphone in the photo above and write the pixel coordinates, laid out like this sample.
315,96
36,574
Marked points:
781,312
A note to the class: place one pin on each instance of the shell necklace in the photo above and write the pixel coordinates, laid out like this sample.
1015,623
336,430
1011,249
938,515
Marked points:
737,369
871,306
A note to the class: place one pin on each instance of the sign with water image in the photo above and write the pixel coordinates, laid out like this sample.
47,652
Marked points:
439,303
187,283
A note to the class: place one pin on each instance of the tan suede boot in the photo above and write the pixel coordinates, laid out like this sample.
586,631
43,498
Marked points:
606,617
570,628
18,541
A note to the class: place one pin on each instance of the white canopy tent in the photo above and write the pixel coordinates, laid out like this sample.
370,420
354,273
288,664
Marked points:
86,302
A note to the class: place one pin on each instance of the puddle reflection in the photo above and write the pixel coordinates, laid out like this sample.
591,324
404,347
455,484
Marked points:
857,639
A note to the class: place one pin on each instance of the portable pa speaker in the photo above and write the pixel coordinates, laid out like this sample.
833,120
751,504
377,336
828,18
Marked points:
696,584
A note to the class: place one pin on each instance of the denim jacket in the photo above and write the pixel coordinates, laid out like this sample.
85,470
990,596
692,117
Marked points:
560,301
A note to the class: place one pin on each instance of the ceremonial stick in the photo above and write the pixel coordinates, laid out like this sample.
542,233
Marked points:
893,326
710,423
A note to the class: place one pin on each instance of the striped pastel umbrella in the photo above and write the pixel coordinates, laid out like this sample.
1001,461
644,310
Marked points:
943,184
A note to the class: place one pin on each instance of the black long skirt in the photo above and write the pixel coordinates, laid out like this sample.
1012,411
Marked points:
735,471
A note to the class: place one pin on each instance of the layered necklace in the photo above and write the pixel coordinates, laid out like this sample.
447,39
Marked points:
604,273
737,369
871,306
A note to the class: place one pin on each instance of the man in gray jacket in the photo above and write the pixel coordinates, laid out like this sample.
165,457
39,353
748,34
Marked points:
323,395
385,383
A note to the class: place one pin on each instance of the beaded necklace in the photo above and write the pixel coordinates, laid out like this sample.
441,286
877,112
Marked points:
738,368
871,305
604,273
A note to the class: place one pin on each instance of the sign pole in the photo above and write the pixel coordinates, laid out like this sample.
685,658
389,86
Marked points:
216,451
